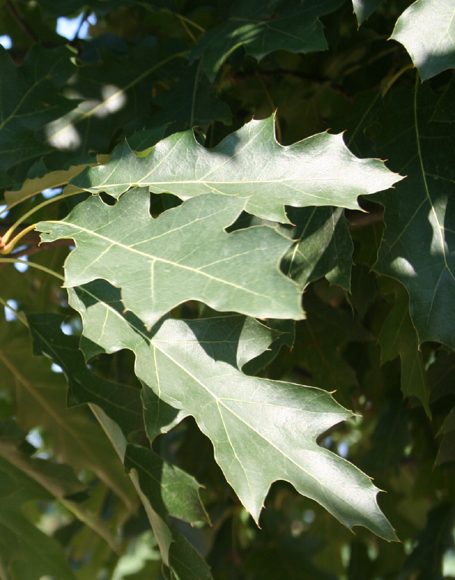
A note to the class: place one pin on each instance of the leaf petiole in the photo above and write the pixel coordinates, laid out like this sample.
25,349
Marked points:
6,238
7,248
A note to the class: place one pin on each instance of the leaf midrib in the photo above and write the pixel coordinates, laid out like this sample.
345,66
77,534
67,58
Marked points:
152,258
219,401
427,189
155,348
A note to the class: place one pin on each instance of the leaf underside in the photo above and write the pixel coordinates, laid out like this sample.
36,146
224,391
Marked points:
249,420
184,254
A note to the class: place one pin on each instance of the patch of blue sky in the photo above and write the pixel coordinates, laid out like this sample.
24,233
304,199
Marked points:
6,41
67,328
67,27
10,310
343,449
51,192
22,266
34,438
55,368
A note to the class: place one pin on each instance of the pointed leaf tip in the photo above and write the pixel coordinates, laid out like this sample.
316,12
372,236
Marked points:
249,165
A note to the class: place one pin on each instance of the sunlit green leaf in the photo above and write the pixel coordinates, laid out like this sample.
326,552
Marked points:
182,255
249,165
427,31
232,409
364,8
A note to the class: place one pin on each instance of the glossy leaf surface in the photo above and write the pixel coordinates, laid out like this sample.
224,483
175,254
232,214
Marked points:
249,165
182,255
239,414
427,30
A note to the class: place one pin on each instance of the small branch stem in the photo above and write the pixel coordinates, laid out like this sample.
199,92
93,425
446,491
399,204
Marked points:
33,210
81,24
190,22
9,247
32,265
186,28
361,220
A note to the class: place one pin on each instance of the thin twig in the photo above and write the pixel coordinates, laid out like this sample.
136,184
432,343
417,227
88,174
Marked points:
35,249
81,24
361,220
21,21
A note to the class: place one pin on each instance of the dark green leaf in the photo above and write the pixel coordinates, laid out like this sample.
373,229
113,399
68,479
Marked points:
191,101
321,340
25,551
434,540
40,396
323,247
169,489
419,217
447,448
30,103
121,402
262,30
399,338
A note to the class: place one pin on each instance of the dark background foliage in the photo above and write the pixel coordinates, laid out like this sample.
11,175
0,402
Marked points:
143,70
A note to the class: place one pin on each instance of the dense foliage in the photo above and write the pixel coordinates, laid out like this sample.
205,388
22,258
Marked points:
227,273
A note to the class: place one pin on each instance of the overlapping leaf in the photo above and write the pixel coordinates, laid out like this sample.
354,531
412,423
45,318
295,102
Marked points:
30,100
41,400
191,101
398,338
110,93
323,247
57,479
182,255
427,31
179,496
262,430
321,341
176,551
364,8
249,165
25,551
121,402
261,29
417,247
446,451
432,542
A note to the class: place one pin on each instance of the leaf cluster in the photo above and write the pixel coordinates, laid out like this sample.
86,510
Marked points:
227,276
